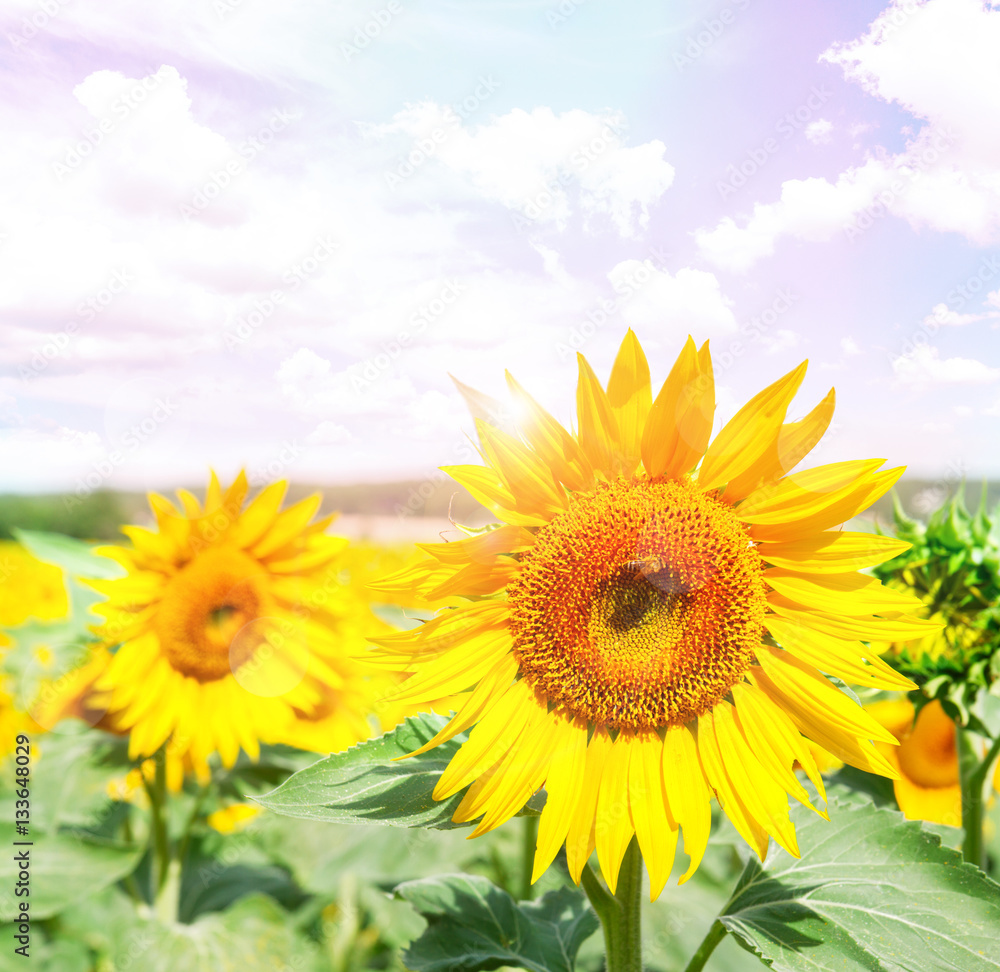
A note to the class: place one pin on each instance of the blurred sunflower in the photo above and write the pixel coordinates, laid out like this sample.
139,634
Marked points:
230,628
639,636
28,589
927,787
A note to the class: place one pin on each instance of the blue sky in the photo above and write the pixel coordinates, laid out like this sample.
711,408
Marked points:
218,222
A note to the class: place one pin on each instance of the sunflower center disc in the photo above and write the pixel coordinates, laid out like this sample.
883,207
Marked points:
205,606
640,606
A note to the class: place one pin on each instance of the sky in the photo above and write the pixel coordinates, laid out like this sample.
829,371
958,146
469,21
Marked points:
261,234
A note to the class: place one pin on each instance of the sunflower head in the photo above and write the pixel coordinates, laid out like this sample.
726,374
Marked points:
230,627
652,620
928,785
953,566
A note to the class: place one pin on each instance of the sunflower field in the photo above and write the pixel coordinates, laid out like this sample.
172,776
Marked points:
675,706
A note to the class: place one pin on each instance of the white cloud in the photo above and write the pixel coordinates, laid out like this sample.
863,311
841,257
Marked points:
552,263
811,209
942,314
938,60
849,346
687,301
818,132
531,162
328,433
924,367
781,340
302,367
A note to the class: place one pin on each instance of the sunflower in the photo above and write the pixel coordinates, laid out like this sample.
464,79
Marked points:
654,618
928,785
231,627
28,589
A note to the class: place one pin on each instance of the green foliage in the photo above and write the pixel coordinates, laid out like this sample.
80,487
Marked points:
96,516
254,935
369,783
64,866
953,565
473,925
870,892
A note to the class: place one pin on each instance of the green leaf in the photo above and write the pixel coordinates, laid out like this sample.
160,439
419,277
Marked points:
217,889
73,556
63,869
254,935
473,924
365,784
871,892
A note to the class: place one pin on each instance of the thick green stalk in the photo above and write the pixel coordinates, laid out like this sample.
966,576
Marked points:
160,841
715,935
529,836
972,773
620,913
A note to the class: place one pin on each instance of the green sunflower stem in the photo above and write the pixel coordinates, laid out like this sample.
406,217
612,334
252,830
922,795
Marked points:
972,773
159,838
529,836
620,912
715,935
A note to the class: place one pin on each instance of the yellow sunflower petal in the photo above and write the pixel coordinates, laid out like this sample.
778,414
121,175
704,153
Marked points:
775,741
711,746
794,441
848,660
830,512
581,838
680,420
746,437
764,798
630,398
454,671
853,594
562,787
529,480
483,548
485,486
448,630
552,442
613,825
848,748
287,525
524,773
494,683
258,516
493,734
833,552
837,710
190,504
688,793
598,435
213,494
654,828
517,764
853,629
